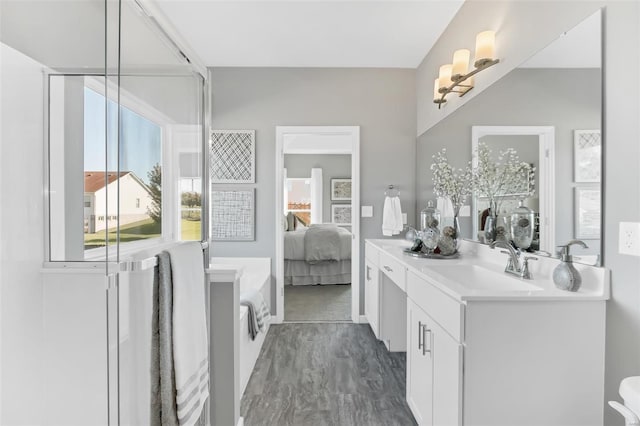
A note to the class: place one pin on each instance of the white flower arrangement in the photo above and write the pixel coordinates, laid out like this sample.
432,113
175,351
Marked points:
507,176
450,182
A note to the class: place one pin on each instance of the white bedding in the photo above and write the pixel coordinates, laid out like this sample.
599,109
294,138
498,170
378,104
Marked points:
294,244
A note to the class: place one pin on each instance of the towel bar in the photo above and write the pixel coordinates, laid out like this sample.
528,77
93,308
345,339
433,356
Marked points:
148,263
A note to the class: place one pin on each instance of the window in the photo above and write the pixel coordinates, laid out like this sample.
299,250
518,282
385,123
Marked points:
299,198
132,185
130,154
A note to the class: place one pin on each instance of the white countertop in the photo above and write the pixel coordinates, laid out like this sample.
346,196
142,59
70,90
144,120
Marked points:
478,274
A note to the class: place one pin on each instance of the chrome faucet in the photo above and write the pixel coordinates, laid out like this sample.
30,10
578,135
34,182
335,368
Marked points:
513,264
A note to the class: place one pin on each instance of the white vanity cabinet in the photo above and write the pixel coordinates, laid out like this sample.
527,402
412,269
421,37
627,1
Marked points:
385,297
372,288
484,348
501,362
372,296
434,365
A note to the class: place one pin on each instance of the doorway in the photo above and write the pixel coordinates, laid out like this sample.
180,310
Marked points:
317,223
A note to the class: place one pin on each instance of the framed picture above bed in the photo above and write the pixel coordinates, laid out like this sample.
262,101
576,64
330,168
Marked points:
341,189
341,214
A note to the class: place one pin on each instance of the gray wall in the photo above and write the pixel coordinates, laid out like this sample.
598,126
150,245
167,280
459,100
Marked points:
381,101
332,165
518,39
567,99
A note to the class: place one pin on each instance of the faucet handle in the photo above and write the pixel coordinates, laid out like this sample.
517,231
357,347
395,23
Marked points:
510,265
526,274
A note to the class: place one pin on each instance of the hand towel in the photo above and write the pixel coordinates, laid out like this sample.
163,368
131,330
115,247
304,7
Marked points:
392,216
259,314
163,390
190,340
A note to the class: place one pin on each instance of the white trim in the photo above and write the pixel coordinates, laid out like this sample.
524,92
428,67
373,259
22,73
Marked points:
363,319
353,133
545,173
127,99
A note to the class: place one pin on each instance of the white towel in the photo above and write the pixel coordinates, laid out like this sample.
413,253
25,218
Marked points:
392,217
259,314
190,341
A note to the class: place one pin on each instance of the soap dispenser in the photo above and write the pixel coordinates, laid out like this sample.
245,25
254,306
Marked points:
566,276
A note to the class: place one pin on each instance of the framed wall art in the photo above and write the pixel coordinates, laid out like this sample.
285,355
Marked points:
341,189
341,214
587,155
587,213
232,155
233,214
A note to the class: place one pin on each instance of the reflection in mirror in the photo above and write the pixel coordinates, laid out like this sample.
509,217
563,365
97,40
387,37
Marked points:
559,89
535,146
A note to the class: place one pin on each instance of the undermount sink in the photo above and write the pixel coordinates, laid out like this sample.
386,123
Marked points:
476,277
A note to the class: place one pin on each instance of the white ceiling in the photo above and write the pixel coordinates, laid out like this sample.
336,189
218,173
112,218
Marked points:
71,34
302,33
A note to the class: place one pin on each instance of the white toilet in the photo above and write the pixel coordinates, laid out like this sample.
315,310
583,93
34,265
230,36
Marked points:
630,393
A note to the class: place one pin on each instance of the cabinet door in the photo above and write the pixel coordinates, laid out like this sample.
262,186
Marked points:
419,365
447,377
372,297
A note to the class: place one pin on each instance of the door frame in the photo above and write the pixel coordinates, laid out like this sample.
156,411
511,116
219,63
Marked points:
353,148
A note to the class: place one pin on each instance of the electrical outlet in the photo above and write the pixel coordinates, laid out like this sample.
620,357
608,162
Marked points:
629,238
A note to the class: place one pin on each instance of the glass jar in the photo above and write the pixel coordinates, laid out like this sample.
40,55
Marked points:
429,217
430,223
522,226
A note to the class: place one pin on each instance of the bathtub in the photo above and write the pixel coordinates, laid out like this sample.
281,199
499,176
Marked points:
256,274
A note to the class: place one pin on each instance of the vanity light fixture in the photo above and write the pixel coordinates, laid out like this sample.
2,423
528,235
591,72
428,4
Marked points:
456,77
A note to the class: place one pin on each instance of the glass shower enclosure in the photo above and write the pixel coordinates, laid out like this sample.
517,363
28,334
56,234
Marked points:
124,118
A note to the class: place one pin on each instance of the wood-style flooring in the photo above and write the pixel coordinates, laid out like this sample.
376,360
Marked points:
326,374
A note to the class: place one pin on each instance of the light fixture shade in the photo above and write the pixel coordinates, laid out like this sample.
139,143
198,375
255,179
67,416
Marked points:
444,77
460,63
485,47
436,93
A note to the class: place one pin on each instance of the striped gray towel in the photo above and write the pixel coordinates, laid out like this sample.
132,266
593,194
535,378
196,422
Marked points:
259,314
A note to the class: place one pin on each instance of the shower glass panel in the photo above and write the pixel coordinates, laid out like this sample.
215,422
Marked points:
160,102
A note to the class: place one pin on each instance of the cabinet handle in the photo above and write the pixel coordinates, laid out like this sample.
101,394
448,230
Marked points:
388,268
368,273
420,336
425,330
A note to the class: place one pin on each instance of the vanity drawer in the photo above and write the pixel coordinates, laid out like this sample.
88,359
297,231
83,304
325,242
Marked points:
394,269
443,309
371,253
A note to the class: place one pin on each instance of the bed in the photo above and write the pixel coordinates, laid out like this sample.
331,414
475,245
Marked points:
320,254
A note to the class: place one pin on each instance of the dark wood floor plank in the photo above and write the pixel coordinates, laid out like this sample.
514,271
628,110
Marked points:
326,374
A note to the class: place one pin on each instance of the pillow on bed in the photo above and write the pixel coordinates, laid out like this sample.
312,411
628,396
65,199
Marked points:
291,222
300,222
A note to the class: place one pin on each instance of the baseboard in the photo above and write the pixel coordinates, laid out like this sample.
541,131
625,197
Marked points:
363,319
240,421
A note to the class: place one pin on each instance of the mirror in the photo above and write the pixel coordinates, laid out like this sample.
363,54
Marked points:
549,110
